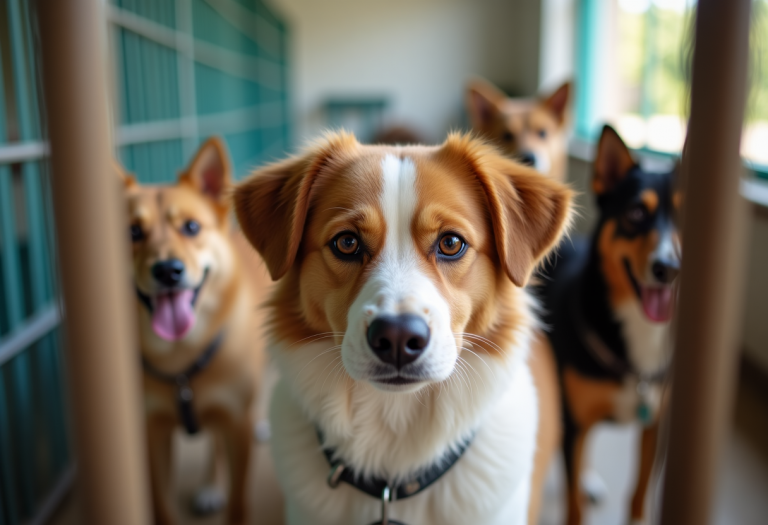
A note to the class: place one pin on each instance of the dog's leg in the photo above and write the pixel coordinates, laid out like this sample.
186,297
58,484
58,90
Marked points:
544,371
573,449
210,498
237,437
159,440
648,442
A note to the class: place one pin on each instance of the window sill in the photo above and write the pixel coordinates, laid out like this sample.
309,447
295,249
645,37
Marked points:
753,189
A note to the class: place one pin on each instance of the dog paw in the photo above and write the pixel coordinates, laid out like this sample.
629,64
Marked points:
593,487
262,431
208,500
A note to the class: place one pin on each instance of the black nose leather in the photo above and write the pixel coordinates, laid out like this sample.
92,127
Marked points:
527,158
169,272
399,339
665,271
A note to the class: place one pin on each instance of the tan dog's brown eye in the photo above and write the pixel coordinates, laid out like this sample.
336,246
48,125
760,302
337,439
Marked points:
137,233
346,246
190,228
451,246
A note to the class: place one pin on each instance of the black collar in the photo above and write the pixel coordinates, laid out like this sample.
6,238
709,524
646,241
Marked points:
184,393
376,486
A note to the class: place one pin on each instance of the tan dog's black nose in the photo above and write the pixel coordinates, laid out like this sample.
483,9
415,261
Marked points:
399,339
169,272
527,158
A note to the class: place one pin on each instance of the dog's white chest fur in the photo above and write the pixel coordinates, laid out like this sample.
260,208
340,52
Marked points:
489,484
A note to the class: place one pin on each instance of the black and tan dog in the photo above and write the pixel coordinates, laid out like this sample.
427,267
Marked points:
609,304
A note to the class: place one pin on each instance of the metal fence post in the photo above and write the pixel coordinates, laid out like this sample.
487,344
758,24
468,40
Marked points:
101,354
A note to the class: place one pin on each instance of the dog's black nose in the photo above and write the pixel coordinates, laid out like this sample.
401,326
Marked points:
527,158
169,272
665,271
398,340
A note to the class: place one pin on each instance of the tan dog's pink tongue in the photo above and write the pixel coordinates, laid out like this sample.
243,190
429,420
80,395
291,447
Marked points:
658,302
173,316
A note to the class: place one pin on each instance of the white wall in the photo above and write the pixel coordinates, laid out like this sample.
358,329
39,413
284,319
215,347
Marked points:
418,53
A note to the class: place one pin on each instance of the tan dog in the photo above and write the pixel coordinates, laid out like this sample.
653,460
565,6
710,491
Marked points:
531,130
197,316
402,327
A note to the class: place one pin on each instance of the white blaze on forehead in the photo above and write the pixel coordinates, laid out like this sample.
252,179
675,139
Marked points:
397,284
398,202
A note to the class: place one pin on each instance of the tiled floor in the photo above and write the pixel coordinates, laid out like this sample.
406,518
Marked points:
742,496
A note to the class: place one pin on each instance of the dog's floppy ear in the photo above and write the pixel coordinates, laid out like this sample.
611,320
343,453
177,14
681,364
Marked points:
529,211
483,102
272,204
128,180
612,163
210,172
557,102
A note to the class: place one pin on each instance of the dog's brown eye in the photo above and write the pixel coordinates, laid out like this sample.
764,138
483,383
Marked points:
543,133
451,246
508,136
190,228
137,233
346,246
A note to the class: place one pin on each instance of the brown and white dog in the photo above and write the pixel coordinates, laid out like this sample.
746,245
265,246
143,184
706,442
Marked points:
197,311
533,130
401,328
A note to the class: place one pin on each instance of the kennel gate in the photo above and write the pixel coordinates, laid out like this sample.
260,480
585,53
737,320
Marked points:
183,70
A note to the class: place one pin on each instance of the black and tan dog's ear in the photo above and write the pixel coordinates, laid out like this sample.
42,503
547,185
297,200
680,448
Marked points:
128,180
271,205
529,212
612,163
210,171
484,101
557,102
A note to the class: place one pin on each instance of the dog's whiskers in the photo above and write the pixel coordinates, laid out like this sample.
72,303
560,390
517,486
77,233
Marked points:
326,351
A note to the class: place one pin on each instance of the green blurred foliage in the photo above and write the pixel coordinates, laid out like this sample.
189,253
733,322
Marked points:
655,50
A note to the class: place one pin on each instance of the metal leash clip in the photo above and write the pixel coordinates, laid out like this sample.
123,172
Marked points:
334,476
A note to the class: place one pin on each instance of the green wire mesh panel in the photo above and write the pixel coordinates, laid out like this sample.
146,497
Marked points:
34,455
189,69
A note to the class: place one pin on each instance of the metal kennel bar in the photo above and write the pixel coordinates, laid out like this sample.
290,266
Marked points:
35,464
100,333
714,233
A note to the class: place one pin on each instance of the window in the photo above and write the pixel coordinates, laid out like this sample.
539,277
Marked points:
633,71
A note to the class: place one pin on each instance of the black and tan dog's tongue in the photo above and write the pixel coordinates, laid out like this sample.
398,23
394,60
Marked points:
658,302
173,316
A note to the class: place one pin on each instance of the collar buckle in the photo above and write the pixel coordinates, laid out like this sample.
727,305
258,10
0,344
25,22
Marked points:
334,476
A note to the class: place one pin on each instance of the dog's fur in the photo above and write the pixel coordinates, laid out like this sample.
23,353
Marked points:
533,130
619,287
226,304
472,380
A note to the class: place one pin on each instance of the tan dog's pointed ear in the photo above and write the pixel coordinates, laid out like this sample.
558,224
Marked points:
126,178
557,102
529,211
210,171
612,163
483,102
272,204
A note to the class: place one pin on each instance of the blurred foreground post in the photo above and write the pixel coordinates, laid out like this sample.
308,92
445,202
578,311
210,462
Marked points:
713,264
101,351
